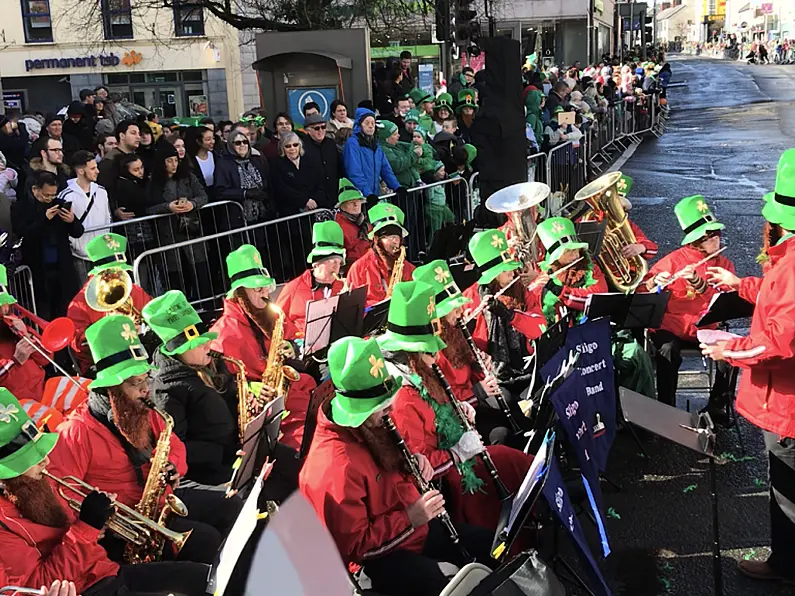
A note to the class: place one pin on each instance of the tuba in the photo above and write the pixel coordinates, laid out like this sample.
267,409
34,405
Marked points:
109,292
603,198
520,203
245,407
277,374
154,490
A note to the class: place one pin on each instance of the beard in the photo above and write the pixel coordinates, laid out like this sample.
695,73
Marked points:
428,378
457,351
131,417
36,501
387,257
263,318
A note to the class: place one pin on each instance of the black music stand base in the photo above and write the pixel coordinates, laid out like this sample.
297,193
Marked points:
558,561
717,571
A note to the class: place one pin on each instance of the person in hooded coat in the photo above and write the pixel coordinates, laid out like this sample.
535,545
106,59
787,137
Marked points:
534,103
78,126
364,160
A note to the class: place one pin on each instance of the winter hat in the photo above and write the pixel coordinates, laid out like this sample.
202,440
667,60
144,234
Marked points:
489,249
313,119
328,241
245,270
5,295
359,375
108,252
412,323
466,99
780,209
22,445
384,217
361,113
695,218
412,116
348,192
557,234
418,96
76,107
444,100
447,294
50,118
86,93
576,96
385,129
176,323
117,351
166,150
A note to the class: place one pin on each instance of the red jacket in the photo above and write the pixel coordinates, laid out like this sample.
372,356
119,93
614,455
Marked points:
461,379
767,386
25,381
686,307
530,323
371,271
88,450
294,297
355,246
574,298
34,555
651,246
84,316
237,339
363,506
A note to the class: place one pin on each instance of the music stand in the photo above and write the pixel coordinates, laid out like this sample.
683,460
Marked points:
348,317
375,317
317,397
592,232
259,440
451,241
551,341
464,275
726,306
629,311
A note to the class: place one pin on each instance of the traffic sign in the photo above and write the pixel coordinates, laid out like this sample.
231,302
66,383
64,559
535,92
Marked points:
298,98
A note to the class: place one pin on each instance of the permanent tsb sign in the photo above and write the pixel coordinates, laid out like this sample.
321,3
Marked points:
84,61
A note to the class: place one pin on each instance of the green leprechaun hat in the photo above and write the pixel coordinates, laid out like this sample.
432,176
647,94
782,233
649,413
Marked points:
359,375
419,97
412,116
383,215
489,248
466,99
447,294
472,153
386,128
781,207
444,100
557,234
348,192
5,295
245,270
22,445
117,351
412,323
108,252
771,213
624,185
695,218
176,323
328,241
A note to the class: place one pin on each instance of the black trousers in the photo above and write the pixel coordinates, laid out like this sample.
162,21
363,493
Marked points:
189,579
210,517
403,572
781,470
669,359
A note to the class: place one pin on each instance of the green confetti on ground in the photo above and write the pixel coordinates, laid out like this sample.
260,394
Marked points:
690,489
667,567
750,555
641,454
613,513
666,584
759,483
730,457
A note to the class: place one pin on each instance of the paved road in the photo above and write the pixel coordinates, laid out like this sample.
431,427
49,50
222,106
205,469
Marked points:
729,125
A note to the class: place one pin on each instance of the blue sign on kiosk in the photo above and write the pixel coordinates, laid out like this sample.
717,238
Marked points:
298,98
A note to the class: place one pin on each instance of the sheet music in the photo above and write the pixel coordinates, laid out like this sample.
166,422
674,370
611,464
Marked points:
529,482
318,324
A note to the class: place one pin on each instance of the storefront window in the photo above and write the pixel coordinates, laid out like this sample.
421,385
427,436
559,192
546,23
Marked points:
167,94
188,18
36,17
117,19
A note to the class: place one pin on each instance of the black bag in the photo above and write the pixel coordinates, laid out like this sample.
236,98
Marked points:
525,575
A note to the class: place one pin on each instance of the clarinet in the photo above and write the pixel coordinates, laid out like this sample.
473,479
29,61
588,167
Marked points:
502,491
501,401
422,485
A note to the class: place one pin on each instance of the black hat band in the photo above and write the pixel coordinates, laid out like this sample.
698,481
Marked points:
190,332
446,293
136,352
432,328
324,244
248,273
370,392
28,434
503,257
558,243
785,200
388,218
118,257
347,188
708,218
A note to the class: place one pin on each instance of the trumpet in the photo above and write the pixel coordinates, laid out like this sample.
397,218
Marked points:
126,522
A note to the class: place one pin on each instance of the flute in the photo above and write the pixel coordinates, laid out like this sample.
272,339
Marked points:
503,403
422,485
678,274
502,491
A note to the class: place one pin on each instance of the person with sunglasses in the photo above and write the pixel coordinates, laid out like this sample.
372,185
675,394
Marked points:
690,298
244,178
322,148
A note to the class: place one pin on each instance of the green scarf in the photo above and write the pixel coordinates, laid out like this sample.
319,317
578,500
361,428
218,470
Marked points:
448,432
550,301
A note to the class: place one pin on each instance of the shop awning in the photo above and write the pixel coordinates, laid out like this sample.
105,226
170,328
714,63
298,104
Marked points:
339,59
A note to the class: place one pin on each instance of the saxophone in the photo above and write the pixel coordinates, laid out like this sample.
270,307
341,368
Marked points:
277,374
245,404
154,490
397,272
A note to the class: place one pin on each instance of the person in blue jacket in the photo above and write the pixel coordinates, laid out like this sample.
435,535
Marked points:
364,160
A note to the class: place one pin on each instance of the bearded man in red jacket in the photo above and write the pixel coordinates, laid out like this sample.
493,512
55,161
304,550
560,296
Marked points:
690,298
354,478
40,544
767,359
352,220
109,441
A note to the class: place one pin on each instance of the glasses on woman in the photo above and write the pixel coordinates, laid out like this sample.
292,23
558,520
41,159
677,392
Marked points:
240,143
319,127
292,145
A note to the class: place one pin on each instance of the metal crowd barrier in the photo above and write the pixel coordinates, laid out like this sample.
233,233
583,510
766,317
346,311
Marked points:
20,286
566,172
197,266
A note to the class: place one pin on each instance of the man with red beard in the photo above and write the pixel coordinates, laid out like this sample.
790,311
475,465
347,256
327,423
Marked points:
352,220
353,477
428,421
374,269
39,544
107,253
108,442
244,332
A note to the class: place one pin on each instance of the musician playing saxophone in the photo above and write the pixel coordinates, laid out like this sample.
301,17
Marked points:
427,419
690,297
355,478
375,268
321,280
40,543
107,253
109,440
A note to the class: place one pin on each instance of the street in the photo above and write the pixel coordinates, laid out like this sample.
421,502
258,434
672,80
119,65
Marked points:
729,124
